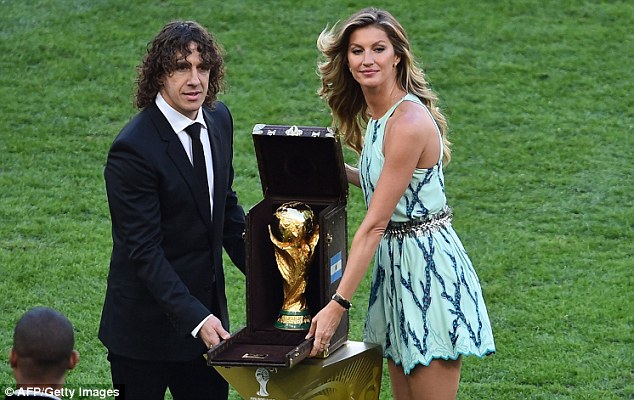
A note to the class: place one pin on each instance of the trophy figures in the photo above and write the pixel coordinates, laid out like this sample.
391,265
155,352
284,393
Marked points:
294,234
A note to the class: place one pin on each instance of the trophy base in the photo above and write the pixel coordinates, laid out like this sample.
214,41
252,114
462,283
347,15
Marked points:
352,372
293,320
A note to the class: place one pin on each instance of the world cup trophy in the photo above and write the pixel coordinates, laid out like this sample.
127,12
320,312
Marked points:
294,233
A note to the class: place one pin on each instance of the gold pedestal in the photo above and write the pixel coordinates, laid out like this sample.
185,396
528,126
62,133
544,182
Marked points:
354,371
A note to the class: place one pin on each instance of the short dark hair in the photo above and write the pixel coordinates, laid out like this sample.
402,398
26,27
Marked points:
44,340
173,40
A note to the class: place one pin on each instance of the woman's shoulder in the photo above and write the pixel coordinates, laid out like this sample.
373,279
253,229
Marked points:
412,117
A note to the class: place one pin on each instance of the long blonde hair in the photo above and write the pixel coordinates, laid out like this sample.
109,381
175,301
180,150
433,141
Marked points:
343,94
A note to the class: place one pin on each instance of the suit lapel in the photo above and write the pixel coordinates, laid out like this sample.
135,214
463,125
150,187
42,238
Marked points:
216,156
179,157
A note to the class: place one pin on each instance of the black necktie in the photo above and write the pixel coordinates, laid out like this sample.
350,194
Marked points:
199,160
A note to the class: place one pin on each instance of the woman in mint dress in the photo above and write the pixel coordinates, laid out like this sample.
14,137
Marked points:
426,307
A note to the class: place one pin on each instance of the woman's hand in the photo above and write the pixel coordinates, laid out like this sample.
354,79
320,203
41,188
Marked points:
324,325
352,175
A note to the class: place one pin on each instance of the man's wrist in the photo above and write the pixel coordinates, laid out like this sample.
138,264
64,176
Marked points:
199,326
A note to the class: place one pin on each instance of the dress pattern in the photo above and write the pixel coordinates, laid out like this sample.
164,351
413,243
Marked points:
425,300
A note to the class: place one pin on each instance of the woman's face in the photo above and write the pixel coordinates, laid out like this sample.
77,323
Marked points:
371,57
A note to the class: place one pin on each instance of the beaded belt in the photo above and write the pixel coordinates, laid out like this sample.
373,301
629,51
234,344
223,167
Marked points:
419,227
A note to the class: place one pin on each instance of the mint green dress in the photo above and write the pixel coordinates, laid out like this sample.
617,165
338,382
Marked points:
425,300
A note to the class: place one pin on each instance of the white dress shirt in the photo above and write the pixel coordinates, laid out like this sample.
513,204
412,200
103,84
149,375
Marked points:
179,122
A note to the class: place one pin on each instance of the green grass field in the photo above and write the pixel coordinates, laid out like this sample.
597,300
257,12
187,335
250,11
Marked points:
538,95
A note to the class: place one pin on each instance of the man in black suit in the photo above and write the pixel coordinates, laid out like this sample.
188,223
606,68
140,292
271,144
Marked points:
165,301
42,353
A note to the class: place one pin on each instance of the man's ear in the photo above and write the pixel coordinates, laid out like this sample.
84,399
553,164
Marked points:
74,359
13,358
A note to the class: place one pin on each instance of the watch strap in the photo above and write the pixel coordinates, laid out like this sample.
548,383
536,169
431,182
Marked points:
341,300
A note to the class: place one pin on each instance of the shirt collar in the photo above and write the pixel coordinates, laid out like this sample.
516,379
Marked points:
28,392
177,120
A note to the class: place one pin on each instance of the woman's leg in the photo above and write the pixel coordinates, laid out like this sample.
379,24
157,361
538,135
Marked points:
438,381
398,379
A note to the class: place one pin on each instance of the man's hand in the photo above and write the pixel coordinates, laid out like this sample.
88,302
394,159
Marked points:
212,332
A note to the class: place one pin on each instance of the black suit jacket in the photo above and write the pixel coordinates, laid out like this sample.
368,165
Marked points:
166,273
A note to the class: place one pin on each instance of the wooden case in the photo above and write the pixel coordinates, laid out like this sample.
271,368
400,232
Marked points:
296,164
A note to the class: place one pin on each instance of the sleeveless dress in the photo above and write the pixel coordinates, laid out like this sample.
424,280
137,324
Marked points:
425,300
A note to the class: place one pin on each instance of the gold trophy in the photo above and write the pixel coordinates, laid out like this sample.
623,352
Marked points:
294,234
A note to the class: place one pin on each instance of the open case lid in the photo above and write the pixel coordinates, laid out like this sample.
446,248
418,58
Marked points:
300,162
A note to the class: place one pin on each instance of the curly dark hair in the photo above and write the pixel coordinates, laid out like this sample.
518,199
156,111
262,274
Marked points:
174,40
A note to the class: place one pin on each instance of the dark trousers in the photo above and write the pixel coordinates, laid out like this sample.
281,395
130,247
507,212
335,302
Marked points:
148,380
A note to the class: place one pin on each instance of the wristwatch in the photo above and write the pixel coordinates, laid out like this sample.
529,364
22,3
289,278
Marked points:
341,300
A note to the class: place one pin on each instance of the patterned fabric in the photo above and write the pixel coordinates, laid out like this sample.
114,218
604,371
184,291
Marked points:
425,300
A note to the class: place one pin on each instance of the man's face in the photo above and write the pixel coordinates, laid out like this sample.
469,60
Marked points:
185,88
